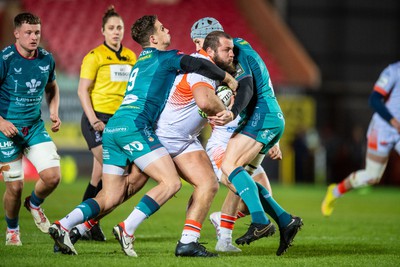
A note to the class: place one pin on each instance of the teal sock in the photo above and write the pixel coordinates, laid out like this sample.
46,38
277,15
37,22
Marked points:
12,223
147,205
90,209
272,208
247,190
35,200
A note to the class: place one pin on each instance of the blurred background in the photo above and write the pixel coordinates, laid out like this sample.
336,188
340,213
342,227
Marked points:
323,56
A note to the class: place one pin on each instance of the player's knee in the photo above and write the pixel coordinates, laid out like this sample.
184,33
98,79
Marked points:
211,187
51,177
174,186
14,190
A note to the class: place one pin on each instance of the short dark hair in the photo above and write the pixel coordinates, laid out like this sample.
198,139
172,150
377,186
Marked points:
142,29
212,39
109,14
28,18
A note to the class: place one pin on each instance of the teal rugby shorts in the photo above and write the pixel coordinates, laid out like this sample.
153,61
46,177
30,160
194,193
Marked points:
12,148
266,128
123,141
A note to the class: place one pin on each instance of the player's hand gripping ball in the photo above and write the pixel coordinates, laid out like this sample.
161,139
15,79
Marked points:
224,93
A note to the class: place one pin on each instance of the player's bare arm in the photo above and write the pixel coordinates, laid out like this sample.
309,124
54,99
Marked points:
52,92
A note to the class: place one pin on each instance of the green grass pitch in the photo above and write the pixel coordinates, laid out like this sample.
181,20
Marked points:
364,230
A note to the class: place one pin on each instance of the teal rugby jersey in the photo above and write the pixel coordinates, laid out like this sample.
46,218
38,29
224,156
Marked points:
149,84
22,83
250,64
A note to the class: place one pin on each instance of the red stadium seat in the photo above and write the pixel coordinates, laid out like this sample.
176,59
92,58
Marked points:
71,28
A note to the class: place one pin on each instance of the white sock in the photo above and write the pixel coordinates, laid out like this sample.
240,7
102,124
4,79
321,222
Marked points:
134,220
189,237
73,218
225,233
82,228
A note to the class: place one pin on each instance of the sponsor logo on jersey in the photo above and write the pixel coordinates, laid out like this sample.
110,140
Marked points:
242,42
5,48
129,99
120,73
5,57
239,70
44,69
44,52
18,71
22,101
33,85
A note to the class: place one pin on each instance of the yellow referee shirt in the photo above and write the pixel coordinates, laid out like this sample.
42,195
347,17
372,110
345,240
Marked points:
110,72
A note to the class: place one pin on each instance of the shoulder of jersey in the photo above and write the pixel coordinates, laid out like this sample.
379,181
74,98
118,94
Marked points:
43,51
7,53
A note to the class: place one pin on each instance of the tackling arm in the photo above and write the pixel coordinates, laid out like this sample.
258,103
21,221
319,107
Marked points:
207,68
243,96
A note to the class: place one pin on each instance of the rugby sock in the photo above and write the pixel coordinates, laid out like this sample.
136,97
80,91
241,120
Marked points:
144,209
340,189
99,186
247,190
90,192
240,215
86,226
191,232
226,226
35,201
272,208
86,210
12,224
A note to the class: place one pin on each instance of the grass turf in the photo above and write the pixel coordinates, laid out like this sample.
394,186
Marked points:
364,230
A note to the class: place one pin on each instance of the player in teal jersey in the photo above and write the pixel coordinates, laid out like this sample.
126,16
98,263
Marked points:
129,136
26,72
260,129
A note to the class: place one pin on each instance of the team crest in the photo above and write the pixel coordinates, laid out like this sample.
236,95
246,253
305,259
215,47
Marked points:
33,85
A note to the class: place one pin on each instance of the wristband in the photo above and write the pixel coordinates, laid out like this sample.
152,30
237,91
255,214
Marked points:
96,122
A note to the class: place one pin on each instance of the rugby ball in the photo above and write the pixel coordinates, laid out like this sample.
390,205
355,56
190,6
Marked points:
224,93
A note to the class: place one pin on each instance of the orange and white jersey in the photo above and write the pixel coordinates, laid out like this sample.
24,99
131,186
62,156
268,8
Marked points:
180,120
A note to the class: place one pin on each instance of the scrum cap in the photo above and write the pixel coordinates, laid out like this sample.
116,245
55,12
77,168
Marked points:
204,26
